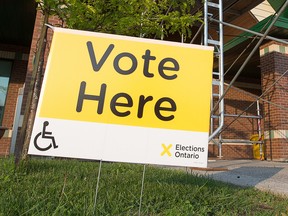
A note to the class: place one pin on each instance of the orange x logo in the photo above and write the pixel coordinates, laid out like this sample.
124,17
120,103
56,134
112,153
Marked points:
166,150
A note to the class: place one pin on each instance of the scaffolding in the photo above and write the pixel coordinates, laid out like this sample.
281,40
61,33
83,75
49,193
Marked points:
213,14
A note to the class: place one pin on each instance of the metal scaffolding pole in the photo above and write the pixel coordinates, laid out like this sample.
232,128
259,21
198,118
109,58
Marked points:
218,80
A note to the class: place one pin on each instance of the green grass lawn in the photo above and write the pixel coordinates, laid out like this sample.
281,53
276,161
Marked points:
67,187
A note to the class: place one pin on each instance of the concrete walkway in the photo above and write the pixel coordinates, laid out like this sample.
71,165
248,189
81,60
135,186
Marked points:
264,175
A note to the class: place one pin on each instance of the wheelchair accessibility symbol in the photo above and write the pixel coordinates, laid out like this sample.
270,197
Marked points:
44,135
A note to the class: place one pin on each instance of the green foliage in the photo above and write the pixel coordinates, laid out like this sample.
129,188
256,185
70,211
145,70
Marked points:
67,187
144,18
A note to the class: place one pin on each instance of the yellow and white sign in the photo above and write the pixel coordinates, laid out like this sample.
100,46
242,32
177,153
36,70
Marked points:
118,98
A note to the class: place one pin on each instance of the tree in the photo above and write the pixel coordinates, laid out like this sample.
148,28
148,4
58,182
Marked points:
34,87
144,18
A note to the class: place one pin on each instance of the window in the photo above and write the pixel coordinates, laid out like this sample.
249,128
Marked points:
5,71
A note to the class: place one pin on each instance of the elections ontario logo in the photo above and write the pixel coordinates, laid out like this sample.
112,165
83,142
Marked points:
181,151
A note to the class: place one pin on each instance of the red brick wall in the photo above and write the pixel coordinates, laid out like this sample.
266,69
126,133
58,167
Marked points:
236,129
273,65
231,151
5,146
34,45
236,102
276,149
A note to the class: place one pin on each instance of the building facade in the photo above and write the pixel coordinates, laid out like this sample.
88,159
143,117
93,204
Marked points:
17,64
